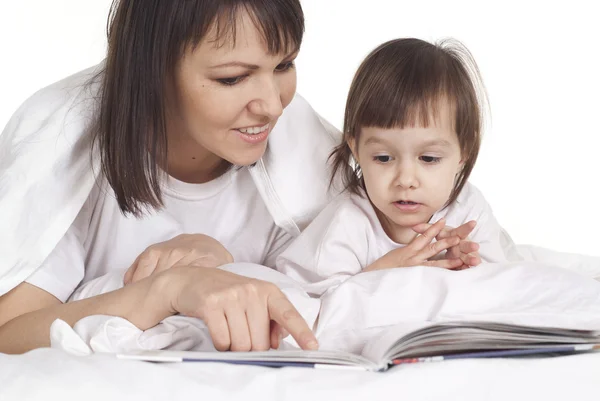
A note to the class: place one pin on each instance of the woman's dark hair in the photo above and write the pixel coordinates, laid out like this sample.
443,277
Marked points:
403,83
146,40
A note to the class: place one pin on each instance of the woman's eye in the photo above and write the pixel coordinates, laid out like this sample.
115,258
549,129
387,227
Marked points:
382,159
430,159
231,81
285,66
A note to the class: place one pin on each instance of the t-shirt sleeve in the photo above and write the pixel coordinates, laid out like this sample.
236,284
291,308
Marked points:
488,233
330,250
64,268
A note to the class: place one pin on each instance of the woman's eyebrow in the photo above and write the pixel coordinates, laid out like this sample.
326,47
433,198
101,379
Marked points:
236,64
247,65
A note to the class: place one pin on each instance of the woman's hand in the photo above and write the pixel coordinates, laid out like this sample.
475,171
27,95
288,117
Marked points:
420,250
466,250
187,249
242,314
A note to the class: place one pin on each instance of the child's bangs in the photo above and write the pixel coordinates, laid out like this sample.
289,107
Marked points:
281,25
407,108
407,95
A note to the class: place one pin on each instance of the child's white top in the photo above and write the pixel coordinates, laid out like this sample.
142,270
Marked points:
347,236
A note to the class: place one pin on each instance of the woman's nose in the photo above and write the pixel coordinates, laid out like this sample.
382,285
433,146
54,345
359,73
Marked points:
268,100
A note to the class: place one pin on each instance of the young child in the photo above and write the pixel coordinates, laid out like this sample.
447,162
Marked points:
412,132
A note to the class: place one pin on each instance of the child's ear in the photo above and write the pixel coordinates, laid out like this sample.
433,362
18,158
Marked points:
352,145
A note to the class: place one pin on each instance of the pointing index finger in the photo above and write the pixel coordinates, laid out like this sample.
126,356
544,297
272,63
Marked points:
283,312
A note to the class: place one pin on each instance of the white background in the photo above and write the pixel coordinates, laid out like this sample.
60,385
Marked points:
540,61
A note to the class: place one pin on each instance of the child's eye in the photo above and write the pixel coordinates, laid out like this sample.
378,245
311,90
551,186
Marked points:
430,159
231,81
383,158
285,66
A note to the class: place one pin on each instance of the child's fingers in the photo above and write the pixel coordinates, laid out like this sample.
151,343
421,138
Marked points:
421,241
468,246
453,252
437,247
464,230
445,233
474,259
470,259
449,264
421,228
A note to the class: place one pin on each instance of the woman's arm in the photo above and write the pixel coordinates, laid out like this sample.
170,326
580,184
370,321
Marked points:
27,312
237,310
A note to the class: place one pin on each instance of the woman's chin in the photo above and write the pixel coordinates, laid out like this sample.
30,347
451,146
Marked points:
247,157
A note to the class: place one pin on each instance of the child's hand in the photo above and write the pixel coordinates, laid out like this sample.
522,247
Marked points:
186,249
466,250
420,250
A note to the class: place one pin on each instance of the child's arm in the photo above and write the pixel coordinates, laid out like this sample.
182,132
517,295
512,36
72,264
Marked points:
330,250
420,251
488,235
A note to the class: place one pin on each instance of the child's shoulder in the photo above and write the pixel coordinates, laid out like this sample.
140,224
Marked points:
350,205
347,211
469,195
470,204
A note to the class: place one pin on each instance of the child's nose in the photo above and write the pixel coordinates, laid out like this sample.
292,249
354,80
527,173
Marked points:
406,176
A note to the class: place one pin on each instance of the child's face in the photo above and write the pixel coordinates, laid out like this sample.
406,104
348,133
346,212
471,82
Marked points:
409,173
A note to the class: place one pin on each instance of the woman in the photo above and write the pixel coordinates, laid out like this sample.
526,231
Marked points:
113,166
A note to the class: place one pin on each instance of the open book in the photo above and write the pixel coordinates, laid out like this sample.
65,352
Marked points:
424,342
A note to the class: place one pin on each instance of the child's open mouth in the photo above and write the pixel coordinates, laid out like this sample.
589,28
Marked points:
407,206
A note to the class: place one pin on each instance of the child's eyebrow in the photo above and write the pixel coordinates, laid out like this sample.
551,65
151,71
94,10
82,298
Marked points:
434,142
375,140
437,142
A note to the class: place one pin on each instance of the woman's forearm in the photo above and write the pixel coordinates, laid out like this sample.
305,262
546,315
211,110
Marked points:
142,303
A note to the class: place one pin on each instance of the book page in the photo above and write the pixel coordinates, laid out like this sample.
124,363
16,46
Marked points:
377,348
421,339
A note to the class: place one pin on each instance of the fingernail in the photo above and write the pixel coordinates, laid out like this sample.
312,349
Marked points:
313,345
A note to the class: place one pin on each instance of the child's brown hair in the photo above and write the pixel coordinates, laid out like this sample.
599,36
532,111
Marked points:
404,82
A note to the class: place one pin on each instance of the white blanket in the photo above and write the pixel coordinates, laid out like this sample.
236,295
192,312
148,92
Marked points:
54,374
529,293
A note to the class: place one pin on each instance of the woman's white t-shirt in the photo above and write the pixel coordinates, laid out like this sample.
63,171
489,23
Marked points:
229,209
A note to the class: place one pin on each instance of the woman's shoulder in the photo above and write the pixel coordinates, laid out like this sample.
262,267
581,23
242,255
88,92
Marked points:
67,94
294,175
46,172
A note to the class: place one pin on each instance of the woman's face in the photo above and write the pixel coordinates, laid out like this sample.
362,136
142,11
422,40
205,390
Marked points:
225,101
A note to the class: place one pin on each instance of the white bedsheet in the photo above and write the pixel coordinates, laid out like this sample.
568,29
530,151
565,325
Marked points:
56,374
51,374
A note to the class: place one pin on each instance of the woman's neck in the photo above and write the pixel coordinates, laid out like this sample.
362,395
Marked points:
189,162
